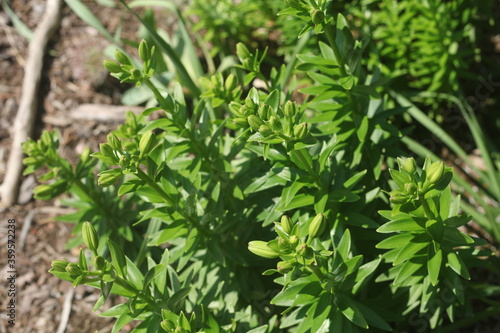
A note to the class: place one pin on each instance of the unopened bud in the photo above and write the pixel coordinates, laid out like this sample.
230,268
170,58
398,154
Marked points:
59,265
434,172
144,51
410,166
265,130
114,142
135,74
73,269
240,122
254,122
122,58
286,224
147,143
264,111
261,249
99,263
284,267
106,150
398,197
317,16
290,109
300,131
275,124
168,325
242,51
294,240
305,251
108,177
112,66
90,238
317,226
230,83
283,243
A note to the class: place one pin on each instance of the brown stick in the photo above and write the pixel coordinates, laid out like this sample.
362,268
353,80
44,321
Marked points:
25,118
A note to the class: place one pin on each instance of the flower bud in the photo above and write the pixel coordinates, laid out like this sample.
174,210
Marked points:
264,111
294,240
73,269
59,265
284,267
99,263
144,51
283,243
147,143
168,325
265,130
286,224
135,74
261,249
242,51
398,197
304,251
240,122
275,124
112,66
410,188
122,58
114,142
290,109
317,16
317,226
124,161
300,131
90,238
106,150
108,177
410,166
434,172
230,83
254,122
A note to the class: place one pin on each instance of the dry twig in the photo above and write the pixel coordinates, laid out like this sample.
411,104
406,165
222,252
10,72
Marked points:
25,119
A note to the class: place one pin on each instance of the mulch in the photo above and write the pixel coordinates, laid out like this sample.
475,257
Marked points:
73,75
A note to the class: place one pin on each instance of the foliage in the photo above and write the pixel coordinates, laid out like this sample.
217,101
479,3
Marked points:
196,196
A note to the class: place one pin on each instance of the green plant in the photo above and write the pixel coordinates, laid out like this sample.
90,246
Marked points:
213,175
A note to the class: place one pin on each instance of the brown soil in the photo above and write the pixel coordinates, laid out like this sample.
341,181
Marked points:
73,74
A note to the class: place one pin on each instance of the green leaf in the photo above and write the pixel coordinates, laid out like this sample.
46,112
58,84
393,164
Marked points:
401,178
134,275
456,263
407,270
117,258
343,196
395,241
344,245
434,265
403,222
411,249
210,325
351,311
153,273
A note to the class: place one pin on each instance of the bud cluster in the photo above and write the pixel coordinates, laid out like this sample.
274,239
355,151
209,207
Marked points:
124,70
289,246
415,186
270,123
221,91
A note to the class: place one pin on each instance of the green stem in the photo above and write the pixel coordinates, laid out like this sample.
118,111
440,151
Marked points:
315,270
427,209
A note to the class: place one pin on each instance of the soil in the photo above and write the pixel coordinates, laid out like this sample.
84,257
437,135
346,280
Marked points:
73,75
